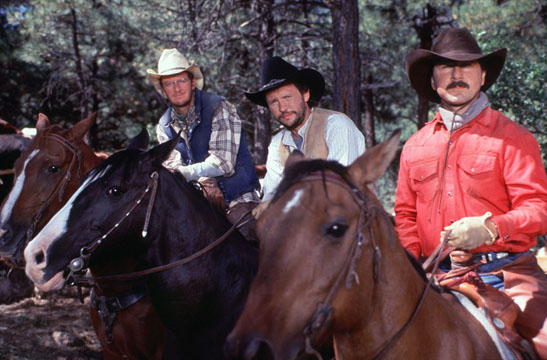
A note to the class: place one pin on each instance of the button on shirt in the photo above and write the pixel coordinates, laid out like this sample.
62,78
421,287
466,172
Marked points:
345,143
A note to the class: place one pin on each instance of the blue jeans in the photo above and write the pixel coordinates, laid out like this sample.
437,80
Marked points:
485,270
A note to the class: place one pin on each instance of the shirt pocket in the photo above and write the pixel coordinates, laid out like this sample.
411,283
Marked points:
476,174
477,165
424,178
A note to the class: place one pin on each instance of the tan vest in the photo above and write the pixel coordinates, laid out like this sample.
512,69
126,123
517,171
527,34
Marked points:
314,145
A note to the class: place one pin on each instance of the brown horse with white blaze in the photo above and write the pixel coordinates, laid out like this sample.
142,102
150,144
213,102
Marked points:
46,175
331,265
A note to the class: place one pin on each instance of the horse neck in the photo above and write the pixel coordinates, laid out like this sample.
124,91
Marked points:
385,304
181,219
120,263
393,301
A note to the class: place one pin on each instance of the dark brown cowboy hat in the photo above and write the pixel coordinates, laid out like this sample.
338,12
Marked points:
452,44
276,72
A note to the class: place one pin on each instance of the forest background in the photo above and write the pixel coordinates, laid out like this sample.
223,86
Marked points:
69,58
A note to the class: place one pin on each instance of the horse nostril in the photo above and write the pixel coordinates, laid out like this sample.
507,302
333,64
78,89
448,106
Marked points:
39,258
258,349
3,232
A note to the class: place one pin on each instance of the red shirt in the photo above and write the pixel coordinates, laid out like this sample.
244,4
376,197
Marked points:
493,164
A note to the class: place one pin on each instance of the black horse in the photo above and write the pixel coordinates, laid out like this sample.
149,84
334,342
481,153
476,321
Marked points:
125,197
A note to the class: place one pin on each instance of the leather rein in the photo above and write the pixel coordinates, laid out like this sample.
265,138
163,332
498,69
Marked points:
323,314
77,266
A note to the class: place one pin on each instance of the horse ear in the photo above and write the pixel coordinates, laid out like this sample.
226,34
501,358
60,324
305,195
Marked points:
140,141
159,153
81,128
374,162
295,157
42,123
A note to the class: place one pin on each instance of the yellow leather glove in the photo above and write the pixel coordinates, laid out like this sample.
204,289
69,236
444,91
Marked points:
469,232
259,209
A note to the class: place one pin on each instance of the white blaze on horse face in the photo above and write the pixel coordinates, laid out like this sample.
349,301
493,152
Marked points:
294,201
15,191
57,226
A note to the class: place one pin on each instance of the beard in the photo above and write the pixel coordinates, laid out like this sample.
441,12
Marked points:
299,117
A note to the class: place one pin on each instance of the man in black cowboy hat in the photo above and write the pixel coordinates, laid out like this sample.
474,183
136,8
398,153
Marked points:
212,147
475,176
291,94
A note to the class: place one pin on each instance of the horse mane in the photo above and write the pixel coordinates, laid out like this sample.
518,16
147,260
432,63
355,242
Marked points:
51,129
129,158
294,173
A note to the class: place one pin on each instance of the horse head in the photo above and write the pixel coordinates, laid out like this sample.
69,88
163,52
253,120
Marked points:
108,202
320,243
45,175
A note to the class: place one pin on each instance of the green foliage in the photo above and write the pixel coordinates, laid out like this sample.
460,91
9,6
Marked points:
67,58
520,91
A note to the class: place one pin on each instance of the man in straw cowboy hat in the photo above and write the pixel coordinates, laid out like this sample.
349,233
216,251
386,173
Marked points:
476,176
212,147
290,94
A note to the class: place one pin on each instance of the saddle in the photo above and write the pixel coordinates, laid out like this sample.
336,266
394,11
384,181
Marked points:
500,309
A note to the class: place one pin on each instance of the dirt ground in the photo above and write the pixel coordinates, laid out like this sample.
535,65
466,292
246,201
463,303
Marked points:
53,326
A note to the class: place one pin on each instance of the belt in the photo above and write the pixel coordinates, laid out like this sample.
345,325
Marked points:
491,256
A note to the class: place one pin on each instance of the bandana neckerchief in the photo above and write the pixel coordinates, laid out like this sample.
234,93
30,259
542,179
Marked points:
459,120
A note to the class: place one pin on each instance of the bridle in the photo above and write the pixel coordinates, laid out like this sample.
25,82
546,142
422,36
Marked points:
77,266
367,214
60,189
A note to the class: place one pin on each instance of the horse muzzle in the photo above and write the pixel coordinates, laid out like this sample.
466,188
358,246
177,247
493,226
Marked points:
252,348
11,245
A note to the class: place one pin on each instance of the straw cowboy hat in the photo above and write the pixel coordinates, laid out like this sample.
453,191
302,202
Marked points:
276,72
452,44
173,62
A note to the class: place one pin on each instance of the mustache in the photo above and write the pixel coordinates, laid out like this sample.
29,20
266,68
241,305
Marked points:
458,83
286,113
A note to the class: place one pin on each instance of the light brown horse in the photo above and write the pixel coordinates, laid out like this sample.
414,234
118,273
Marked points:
331,265
47,174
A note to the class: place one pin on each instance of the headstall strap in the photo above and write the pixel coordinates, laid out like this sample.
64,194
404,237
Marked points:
154,180
77,266
322,315
76,156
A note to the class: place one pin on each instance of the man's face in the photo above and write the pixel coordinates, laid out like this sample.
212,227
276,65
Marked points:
461,81
179,89
289,106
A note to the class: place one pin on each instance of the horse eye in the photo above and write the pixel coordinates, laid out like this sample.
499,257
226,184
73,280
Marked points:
114,191
336,230
52,169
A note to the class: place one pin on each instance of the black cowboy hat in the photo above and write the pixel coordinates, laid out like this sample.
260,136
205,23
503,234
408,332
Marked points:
276,72
452,44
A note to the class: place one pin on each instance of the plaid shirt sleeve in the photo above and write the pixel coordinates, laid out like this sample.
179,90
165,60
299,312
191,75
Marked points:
174,160
225,138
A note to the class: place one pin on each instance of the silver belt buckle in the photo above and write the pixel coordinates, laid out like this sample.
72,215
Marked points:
501,255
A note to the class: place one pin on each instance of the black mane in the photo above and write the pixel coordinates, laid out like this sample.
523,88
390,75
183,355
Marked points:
294,173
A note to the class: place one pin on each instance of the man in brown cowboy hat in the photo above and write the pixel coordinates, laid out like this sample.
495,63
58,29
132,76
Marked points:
476,176
291,94
212,147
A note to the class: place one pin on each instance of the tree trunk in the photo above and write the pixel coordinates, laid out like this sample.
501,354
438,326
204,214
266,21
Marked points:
84,100
426,25
370,139
263,126
345,50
